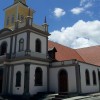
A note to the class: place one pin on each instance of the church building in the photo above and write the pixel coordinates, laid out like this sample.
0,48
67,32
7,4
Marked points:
30,63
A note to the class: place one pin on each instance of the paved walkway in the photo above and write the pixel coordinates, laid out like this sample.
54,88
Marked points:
95,96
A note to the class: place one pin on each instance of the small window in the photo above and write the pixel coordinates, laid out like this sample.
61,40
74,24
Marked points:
22,18
94,78
12,19
87,77
18,79
38,45
3,48
21,44
8,21
38,77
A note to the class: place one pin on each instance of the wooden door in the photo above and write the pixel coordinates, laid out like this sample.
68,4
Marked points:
63,81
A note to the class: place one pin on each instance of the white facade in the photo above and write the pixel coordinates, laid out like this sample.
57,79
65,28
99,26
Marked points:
18,90
33,37
27,68
89,88
50,70
21,36
71,78
35,89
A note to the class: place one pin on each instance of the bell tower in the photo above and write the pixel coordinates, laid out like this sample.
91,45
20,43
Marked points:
18,11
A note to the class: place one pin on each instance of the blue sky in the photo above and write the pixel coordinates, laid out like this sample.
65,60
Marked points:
62,16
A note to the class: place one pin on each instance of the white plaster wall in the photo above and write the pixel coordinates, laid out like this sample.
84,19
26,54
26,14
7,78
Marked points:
18,90
88,88
71,78
19,36
8,43
33,37
32,88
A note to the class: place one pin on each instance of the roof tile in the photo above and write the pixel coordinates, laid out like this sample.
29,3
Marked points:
89,55
64,53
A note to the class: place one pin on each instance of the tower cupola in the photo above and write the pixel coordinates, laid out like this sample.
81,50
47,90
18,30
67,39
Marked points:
21,1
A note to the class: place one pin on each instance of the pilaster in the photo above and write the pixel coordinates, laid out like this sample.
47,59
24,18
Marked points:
48,90
11,44
11,81
15,44
78,77
26,78
6,79
28,43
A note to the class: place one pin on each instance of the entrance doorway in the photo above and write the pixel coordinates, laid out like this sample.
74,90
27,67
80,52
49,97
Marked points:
1,79
63,81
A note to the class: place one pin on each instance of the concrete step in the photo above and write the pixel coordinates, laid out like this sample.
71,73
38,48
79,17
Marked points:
61,96
56,98
43,96
68,94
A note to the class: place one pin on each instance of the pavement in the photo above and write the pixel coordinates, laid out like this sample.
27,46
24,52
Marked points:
95,96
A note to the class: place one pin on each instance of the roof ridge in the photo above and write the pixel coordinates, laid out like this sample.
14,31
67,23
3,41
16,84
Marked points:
80,55
88,47
61,44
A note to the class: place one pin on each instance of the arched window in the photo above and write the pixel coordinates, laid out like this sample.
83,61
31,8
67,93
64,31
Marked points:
3,48
8,21
21,44
38,77
38,45
12,20
94,78
87,77
18,79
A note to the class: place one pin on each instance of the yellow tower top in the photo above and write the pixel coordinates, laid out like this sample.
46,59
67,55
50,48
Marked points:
18,11
22,1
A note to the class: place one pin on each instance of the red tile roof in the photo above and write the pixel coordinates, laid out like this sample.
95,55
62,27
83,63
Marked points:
64,53
89,55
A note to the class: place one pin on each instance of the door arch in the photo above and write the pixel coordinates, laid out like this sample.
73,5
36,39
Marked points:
63,81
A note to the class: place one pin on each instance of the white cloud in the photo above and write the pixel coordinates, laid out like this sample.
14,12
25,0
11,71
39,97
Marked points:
81,34
90,13
77,10
58,12
88,5
84,5
84,2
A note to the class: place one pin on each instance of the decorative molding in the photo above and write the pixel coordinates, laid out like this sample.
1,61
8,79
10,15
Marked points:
24,29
